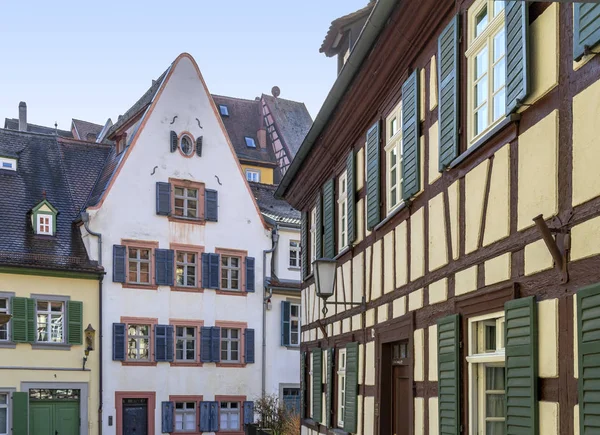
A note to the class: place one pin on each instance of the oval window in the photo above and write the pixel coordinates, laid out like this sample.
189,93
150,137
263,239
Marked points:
186,146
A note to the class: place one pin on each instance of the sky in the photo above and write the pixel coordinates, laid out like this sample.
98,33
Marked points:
92,60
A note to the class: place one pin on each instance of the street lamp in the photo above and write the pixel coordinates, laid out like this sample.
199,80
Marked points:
325,276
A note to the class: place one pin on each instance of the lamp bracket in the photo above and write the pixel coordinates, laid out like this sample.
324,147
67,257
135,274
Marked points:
362,304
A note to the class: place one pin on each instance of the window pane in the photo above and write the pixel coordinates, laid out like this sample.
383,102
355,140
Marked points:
56,306
235,333
494,428
144,254
481,119
223,424
499,104
144,329
178,191
494,405
42,306
490,337
3,303
179,274
481,21
3,420
499,75
481,92
191,332
499,45
494,378
235,262
179,354
498,6
481,63
192,193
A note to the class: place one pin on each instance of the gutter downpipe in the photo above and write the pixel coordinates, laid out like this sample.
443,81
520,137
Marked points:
85,218
267,294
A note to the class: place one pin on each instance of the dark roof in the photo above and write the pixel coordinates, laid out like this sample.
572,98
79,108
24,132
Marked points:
276,210
87,130
13,124
107,173
45,165
340,23
292,120
244,120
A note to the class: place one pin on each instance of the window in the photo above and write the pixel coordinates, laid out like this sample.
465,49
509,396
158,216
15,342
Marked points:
343,210
486,374
4,414
486,60
50,321
313,237
341,387
10,165
138,342
139,265
294,325
230,345
186,145
252,175
393,152
291,399
4,332
250,142
230,273
186,202
44,224
229,416
186,269
185,344
185,417
224,110
295,259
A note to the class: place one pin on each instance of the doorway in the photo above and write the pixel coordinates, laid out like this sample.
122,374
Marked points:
401,390
135,416
54,411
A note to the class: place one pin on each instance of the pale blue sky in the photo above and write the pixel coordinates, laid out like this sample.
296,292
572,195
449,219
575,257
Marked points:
93,60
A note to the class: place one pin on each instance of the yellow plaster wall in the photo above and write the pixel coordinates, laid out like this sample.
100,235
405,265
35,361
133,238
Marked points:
421,164
433,357
438,252
369,415
465,281
576,420
548,341
382,313
415,300
548,416
586,144
538,172
433,90
419,351
497,269
434,158
419,416
537,258
361,363
357,276
370,363
368,274
399,307
360,220
417,245
388,262
422,93
359,416
438,291
337,328
475,182
585,239
356,322
401,254
370,317
346,327
360,165
377,265
266,174
45,208
453,194
434,423
497,219
350,290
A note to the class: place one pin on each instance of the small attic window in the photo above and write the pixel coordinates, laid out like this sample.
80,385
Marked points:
8,163
224,110
43,218
250,142
44,224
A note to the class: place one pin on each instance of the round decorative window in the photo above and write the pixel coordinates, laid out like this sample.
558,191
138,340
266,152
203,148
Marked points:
186,146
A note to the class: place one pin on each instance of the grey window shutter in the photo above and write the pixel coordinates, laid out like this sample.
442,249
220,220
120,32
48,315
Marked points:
250,276
317,385
516,26
174,141
249,345
215,344
75,322
170,343
214,417
351,191
205,270
205,416
588,337
373,186
304,244
164,260
205,344
20,413
520,332
119,340
351,402
167,417
119,259
319,226
586,28
329,390
328,219
160,343
449,374
248,412
163,198
199,141
211,205
448,107
303,357
215,269
411,168
285,323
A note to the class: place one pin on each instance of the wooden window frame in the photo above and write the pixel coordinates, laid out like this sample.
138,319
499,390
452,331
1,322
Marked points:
393,143
40,225
339,373
198,324
188,135
139,321
240,400
194,249
342,211
187,398
188,184
242,280
151,407
242,326
139,244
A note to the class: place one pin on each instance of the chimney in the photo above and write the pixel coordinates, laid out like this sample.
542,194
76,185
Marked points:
22,116
262,132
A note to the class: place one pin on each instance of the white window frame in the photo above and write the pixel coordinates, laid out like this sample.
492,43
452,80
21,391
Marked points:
342,211
138,261
228,411
227,342
138,337
253,175
477,43
185,411
186,265
185,210
313,237
295,255
341,387
298,325
228,269
8,411
6,326
51,329
8,164
477,361
42,225
185,340
393,144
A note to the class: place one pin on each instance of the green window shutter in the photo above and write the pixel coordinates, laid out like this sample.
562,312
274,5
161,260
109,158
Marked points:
319,226
411,158
317,384
449,374
328,219
304,244
516,27
329,391
448,107
31,320
520,332
588,337
351,402
20,417
586,28
303,357
373,186
19,320
351,190
75,322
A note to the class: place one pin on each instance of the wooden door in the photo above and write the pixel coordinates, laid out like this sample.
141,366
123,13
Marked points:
400,400
54,418
135,417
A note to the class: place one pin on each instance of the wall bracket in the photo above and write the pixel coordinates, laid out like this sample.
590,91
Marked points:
558,246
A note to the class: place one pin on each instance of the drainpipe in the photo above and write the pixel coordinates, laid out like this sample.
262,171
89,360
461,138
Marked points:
85,218
267,293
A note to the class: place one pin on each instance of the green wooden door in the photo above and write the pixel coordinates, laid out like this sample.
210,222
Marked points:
41,418
54,418
66,418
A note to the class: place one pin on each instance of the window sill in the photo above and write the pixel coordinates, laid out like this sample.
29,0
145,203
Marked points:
292,347
231,433
231,293
7,345
342,252
183,220
139,363
391,215
51,346
294,268
140,286
175,288
484,139
231,365
186,364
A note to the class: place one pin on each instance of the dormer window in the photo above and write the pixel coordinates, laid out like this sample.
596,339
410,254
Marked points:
43,218
250,142
44,224
224,110
8,164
